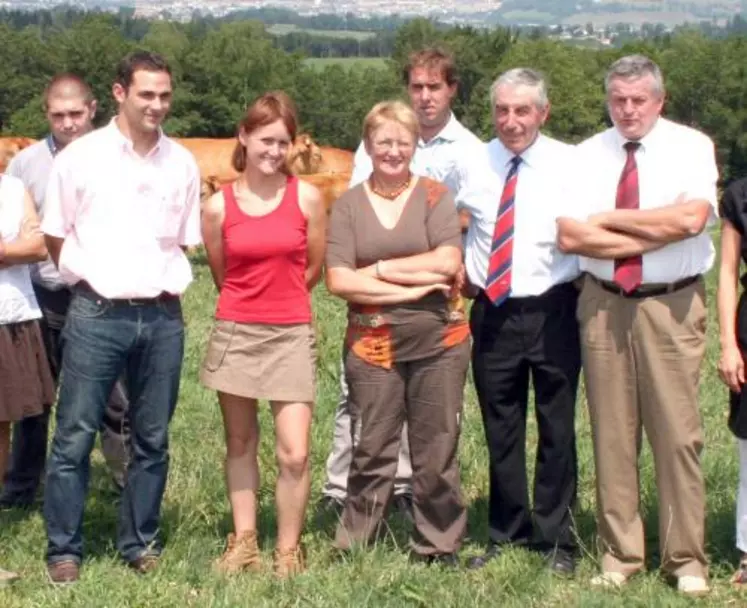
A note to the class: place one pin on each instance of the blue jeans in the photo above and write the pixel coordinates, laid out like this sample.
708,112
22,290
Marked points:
103,339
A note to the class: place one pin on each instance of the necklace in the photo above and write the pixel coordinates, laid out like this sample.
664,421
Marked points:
392,194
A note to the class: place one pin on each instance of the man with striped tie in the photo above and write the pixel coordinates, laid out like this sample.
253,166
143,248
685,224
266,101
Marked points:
523,321
651,190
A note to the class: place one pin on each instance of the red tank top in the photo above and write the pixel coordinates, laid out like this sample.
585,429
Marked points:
265,258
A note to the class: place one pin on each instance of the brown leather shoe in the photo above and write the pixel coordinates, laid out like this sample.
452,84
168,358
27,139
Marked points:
64,572
145,563
241,554
290,562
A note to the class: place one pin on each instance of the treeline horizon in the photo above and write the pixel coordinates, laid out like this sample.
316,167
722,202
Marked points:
219,70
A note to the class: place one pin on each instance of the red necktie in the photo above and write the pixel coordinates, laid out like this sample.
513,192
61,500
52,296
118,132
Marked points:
629,271
498,283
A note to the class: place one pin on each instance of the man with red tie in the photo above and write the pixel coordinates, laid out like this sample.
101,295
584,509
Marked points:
647,192
523,320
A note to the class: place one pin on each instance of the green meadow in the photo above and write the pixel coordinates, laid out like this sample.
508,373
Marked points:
196,516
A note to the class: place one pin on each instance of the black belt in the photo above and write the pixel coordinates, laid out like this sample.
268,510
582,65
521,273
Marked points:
84,289
559,290
645,291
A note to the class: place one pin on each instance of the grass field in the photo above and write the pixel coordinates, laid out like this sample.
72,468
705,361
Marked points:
196,516
280,29
319,63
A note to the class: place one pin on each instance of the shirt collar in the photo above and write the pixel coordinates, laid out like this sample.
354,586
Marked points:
530,156
52,145
646,141
126,143
450,133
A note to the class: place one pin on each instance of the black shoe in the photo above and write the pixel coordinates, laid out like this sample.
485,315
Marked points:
447,560
402,503
560,562
480,561
329,506
16,501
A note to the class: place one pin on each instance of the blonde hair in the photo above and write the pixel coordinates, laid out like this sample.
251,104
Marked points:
395,111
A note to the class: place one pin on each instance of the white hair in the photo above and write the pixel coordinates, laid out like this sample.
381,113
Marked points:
518,77
632,67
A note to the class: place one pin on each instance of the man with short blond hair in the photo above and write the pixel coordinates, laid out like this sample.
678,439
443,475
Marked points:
647,192
70,108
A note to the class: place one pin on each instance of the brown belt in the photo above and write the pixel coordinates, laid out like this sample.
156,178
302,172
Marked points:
84,289
646,291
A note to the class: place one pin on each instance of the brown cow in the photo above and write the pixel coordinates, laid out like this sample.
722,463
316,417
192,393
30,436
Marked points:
304,157
10,146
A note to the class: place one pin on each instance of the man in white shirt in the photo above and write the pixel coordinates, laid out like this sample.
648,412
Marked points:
70,108
122,203
649,187
444,146
523,320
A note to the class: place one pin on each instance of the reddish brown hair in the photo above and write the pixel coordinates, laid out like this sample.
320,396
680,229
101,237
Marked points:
433,58
265,110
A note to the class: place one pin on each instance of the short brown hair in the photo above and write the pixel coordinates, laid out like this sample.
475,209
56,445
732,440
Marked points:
139,60
395,111
58,81
265,110
432,58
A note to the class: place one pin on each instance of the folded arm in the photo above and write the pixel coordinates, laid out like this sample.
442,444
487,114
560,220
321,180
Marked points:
593,241
360,288
668,224
29,247
438,266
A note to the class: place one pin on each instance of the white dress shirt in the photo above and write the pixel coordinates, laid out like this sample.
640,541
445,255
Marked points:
439,158
672,160
544,191
32,166
124,217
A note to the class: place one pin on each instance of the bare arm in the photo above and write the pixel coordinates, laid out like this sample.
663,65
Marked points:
593,241
360,288
731,365
29,247
313,208
211,222
438,266
668,224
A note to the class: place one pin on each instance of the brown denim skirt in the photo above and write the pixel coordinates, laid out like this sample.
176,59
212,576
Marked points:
26,384
272,362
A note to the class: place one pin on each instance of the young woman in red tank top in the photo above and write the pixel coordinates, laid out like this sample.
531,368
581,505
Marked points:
265,236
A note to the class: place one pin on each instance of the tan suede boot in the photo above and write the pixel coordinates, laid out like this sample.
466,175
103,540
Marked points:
290,562
241,554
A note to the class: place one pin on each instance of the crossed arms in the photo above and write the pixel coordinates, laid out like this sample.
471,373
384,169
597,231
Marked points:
627,232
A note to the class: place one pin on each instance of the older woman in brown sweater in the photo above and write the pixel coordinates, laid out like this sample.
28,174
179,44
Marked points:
394,253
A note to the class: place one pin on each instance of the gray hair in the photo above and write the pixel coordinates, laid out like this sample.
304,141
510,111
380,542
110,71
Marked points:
526,77
634,67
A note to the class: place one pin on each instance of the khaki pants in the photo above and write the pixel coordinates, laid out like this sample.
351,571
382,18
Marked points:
641,360
428,395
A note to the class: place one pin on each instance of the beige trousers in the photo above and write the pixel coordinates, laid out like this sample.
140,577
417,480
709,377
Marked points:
641,360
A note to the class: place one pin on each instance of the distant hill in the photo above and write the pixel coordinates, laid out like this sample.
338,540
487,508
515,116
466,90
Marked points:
603,12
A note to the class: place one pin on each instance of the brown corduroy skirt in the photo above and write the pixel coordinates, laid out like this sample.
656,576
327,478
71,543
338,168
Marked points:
256,361
26,384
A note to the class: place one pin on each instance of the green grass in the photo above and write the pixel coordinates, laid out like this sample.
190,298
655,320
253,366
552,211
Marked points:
281,29
196,517
319,63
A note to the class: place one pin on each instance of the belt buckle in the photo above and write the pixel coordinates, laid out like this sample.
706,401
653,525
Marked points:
135,301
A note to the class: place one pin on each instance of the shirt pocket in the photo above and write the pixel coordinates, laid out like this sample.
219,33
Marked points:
169,216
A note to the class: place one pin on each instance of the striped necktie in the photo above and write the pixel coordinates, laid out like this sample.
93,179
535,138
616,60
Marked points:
498,284
629,271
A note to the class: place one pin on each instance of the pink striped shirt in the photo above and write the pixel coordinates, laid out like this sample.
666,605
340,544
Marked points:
124,217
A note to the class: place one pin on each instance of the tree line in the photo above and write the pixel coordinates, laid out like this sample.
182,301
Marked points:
219,70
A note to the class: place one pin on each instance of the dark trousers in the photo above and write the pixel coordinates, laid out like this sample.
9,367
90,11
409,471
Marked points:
428,395
29,453
537,336
103,340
